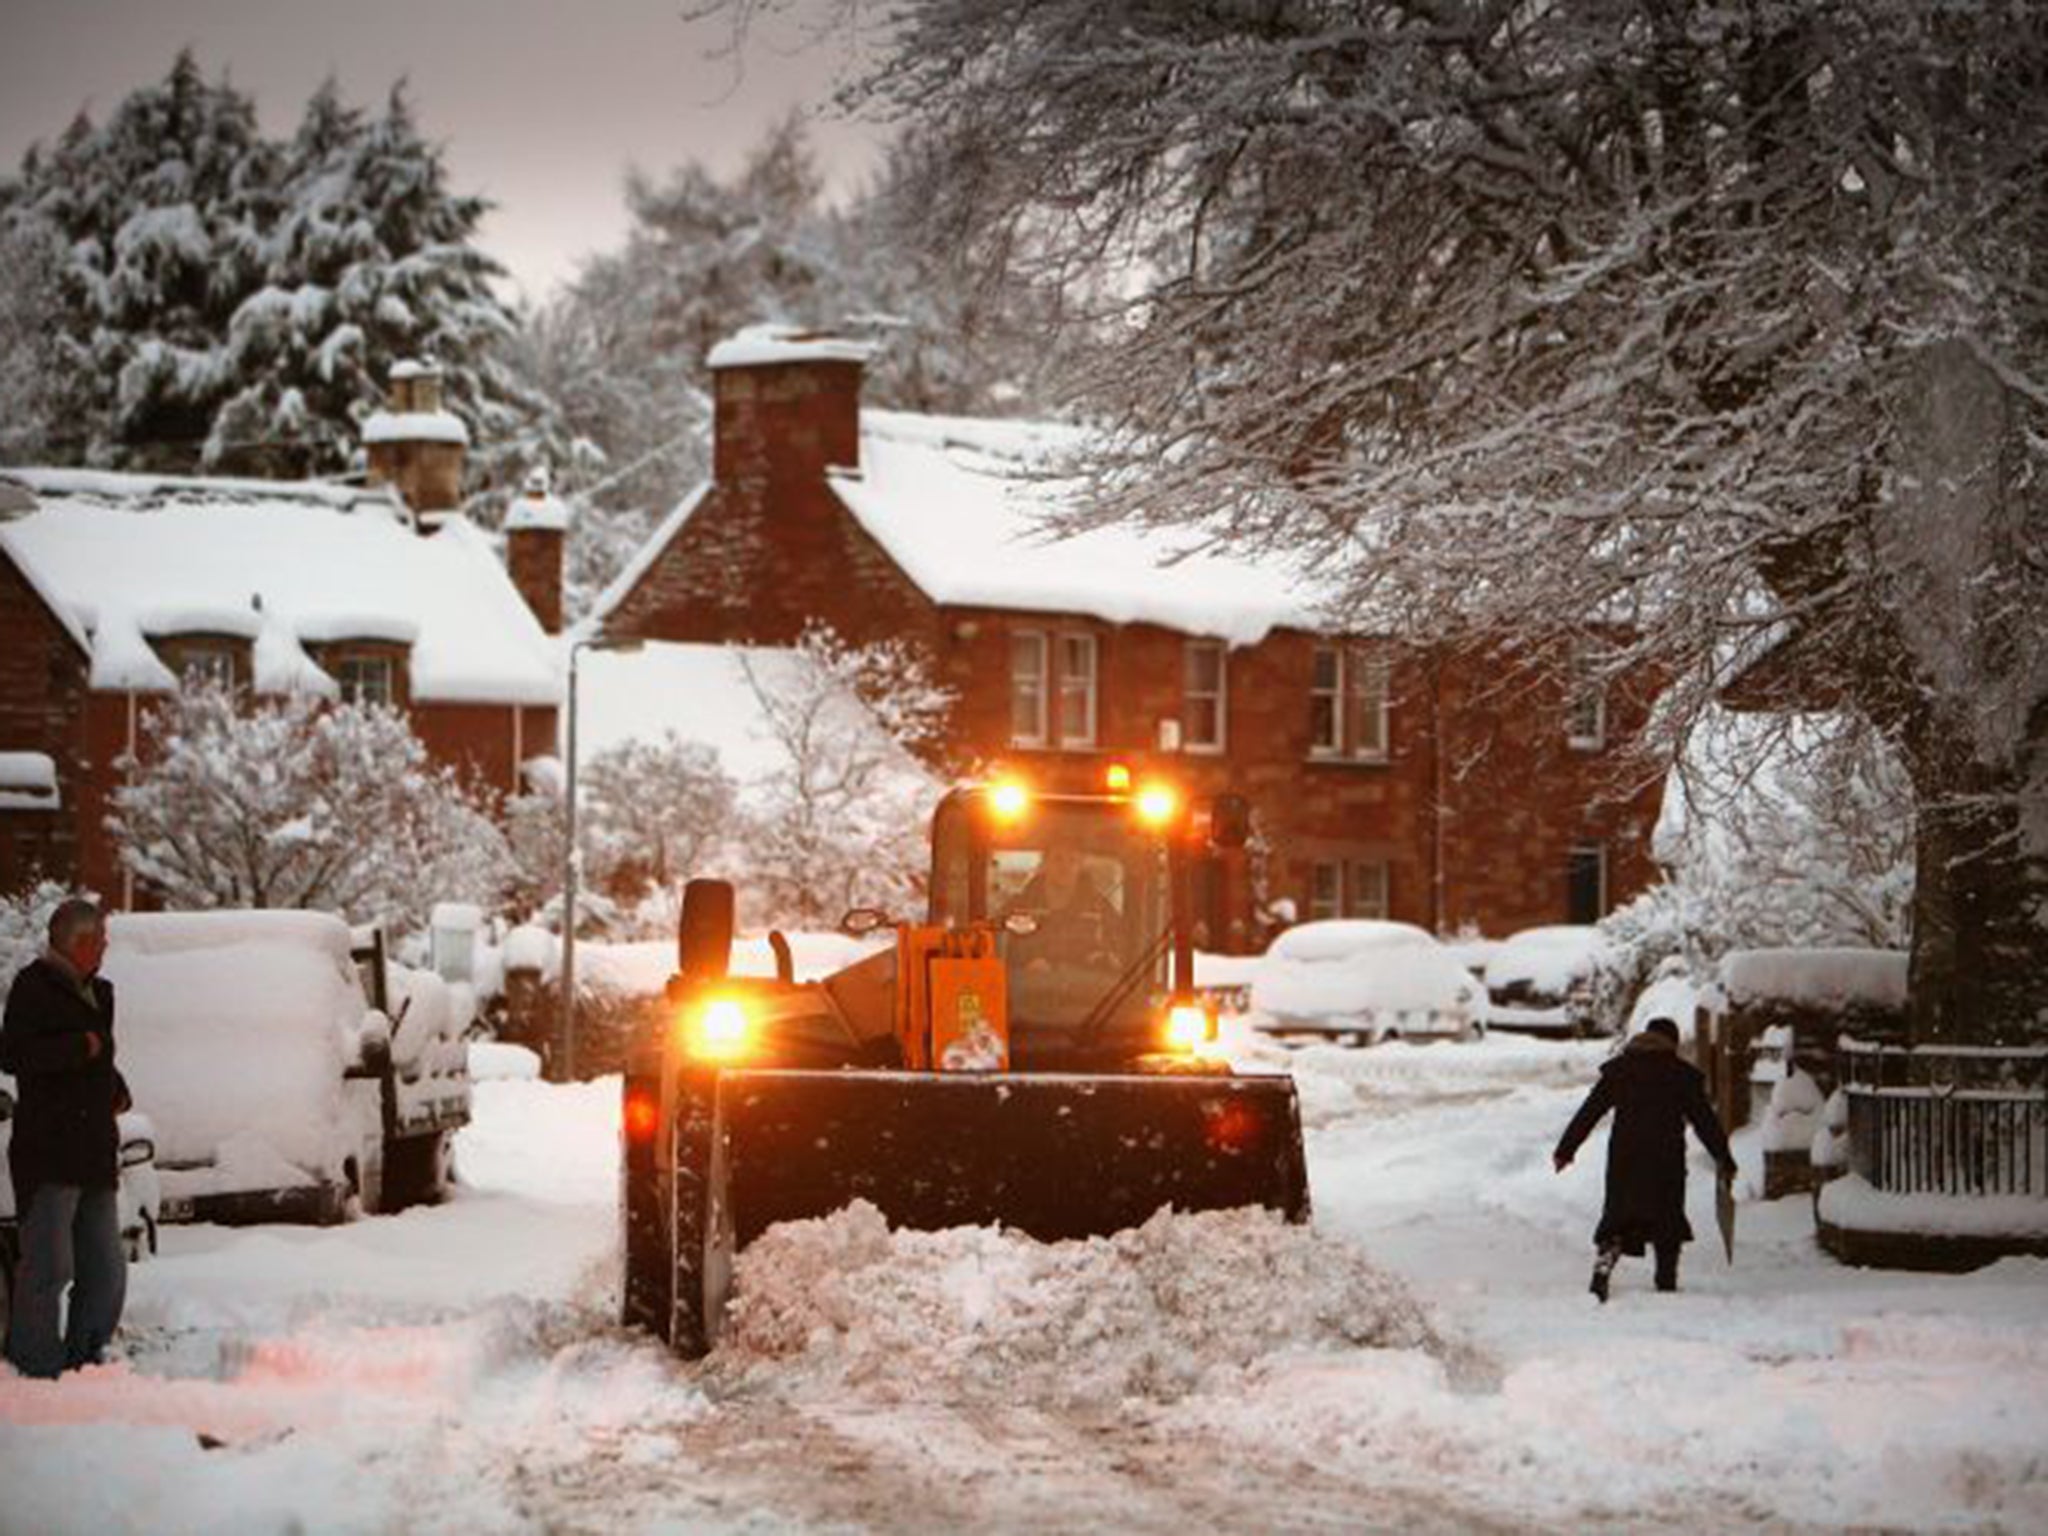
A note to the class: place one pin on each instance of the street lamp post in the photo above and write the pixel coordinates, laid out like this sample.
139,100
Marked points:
572,857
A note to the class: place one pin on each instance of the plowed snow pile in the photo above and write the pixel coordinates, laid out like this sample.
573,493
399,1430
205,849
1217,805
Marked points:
1158,1311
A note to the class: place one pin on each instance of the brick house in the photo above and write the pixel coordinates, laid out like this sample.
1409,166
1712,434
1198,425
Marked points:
1385,780
114,588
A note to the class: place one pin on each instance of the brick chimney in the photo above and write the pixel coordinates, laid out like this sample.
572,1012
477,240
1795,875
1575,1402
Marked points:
415,443
536,531
788,404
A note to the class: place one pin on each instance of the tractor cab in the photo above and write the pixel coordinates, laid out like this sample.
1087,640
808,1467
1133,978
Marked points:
1077,888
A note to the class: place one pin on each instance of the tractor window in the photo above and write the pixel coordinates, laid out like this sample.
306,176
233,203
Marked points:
1091,887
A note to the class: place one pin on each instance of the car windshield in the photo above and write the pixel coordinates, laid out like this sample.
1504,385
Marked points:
1087,884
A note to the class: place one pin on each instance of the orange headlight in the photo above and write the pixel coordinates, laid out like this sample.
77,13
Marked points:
719,1031
1009,799
1157,804
1187,1026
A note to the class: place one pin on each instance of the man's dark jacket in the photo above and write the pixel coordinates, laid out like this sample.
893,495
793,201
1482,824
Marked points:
1654,1095
64,1120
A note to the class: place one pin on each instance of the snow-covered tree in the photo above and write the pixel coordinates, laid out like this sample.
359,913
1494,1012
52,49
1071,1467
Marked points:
843,823
1717,329
25,924
298,802
39,392
1771,838
235,303
623,349
653,814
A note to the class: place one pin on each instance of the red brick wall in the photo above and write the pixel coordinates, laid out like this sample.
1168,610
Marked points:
771,548
483,742
1478,832
533,559
42,709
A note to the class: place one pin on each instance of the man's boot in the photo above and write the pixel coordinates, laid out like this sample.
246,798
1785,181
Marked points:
1667,1267
1603,1270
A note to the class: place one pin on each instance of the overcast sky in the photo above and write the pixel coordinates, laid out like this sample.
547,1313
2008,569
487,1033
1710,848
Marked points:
541,104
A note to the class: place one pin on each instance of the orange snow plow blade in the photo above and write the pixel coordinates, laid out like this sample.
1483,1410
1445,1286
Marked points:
1052,1155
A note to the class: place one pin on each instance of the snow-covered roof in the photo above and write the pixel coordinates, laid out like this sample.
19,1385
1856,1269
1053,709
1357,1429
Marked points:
700,692
962,503
414,427
123,557
760,346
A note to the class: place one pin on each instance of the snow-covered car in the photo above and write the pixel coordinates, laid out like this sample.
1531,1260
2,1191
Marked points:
277,1090
1365,980
1541,980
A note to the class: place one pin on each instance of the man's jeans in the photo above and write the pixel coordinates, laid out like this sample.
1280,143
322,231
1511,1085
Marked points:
67,1234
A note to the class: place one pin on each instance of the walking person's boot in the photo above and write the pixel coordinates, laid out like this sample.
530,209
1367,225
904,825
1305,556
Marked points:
1603,1270
1667,1267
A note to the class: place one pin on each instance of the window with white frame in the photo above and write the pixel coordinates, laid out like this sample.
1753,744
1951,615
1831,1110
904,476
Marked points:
1349,703
1585,713
1077,690
1027,688
1204,694
1325,889
1365,893
365,679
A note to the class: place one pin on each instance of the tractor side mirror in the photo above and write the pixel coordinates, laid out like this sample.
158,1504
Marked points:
704,936
1230,821
862,921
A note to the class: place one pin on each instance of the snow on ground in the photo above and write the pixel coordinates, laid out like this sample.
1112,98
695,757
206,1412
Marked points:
1425,1357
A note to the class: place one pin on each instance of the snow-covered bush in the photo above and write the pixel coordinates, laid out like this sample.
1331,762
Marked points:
1770,839
297,802
25,924
845,822
651,813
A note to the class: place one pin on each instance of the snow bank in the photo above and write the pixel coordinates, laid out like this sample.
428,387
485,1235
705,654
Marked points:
1852,1201
643,969
1815,978
494,1060
1793,1116
1181,1303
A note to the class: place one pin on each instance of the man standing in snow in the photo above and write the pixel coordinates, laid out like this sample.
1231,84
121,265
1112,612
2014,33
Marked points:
1654,1095
58,1041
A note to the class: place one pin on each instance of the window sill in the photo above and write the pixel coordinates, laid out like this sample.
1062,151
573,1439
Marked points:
1586,743
1333,760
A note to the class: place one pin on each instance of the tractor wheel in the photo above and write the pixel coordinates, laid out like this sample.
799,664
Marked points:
647,1291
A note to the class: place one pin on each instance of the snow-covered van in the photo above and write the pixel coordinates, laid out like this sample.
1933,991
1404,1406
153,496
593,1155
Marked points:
278,1088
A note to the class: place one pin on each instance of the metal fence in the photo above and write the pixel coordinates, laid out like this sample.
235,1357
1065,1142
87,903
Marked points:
1955,1120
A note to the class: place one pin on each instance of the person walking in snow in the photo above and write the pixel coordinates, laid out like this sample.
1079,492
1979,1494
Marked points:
1654,1095
57,1039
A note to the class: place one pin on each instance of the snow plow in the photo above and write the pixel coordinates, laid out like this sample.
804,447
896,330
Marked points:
1031,1055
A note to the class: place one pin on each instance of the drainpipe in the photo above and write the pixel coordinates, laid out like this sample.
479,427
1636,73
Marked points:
128,780
1436,816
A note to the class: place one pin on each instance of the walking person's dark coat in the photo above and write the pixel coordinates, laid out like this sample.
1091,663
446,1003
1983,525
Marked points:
64,1125
1654,1095
64,1151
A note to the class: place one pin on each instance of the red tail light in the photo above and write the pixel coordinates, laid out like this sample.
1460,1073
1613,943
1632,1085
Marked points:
642,1115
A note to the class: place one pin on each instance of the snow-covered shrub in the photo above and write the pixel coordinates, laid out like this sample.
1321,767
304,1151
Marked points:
25,924
845,822
1829,1148
297,802
651,813
1794,1113
1796,838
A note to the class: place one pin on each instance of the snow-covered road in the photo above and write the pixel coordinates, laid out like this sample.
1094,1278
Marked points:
456,1369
